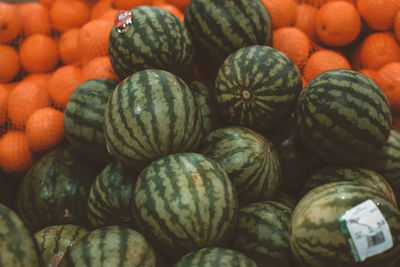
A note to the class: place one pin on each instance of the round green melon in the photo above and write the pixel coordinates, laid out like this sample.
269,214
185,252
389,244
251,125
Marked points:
110,196
263,233
155,40
84,118
219,28
215,256
316,237
17,245
111,246
55,190
183,202
150,114
257,87
250,160
54,240
343,116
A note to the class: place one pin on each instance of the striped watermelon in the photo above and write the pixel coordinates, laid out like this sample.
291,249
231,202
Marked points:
110,246
55,240
268,247
249,159
152,113
203,92
337,173
315,235
184,201
17,245
343,116
257,87
110,196
215,256
283,198
84,118
55,190
219,28
155,40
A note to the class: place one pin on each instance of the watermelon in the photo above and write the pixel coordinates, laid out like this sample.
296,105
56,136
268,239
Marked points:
54,240
215,256
17,245
184,201
249,159
337,173
55,190
156,39
343,116
257,87
84,118
219,28
111,246
283,198
203,92
315,234
263,233
150,114
110,196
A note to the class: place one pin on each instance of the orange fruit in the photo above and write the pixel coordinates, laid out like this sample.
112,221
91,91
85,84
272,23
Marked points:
293,42
173,9
100,8
337,23
68,46
396,26
9,63
374,75
283,12
46,3
23,100
15,154
41,79
39,53
109,16
324,60
10,23
305,19
379,14
378,49
99,67
390,75
3,104
128,4
93,39
68,14
63,82
319,3
35,18
44,128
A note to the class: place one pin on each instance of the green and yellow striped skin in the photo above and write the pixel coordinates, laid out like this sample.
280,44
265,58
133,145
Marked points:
55,190
315,236
17,245
263,233
183,202
110,196
117,246
84,118
156,40
249,159
57,238
215,256
338,173
343,116
152,113
220,27
203,94
257,87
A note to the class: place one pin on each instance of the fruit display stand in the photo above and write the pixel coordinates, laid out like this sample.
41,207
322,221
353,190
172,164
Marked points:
184,132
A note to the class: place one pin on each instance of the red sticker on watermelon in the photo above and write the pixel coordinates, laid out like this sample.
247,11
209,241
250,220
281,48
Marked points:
123,20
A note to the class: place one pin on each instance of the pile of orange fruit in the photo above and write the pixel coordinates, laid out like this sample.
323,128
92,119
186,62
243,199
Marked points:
49,47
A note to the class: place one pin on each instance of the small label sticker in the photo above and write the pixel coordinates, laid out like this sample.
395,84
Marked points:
365,230
123,20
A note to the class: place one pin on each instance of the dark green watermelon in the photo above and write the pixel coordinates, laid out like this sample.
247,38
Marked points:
156,39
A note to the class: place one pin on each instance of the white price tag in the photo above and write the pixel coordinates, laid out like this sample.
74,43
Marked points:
366,230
